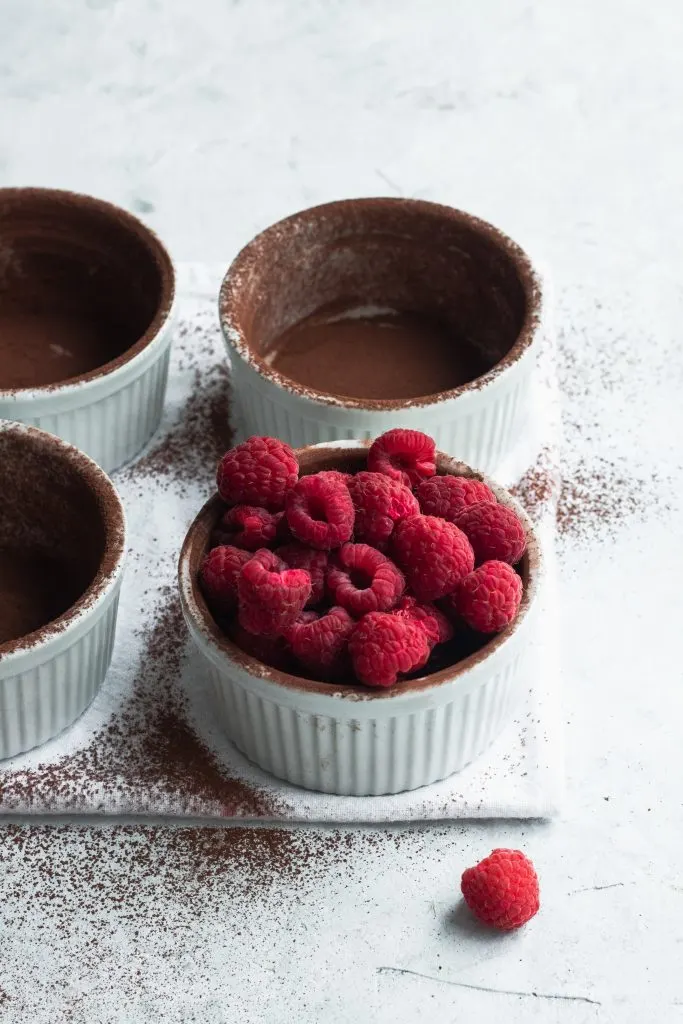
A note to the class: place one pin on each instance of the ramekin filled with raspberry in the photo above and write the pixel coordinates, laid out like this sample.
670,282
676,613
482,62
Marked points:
353,317
377,641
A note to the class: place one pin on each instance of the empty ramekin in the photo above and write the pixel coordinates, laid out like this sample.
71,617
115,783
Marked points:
405,255
350,739
74,267
59,510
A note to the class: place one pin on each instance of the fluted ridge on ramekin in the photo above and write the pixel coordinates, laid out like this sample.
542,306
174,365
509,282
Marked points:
38,703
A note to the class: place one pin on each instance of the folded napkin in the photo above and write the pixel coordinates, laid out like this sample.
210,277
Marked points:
148,744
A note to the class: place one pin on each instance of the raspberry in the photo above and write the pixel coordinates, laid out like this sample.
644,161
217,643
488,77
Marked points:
404,455
502,890
435,624
298,556
218,577
447,496
384,645
379,502
321,645
434,554
258,472
320,511
363,580
488,599
247,526
336,475
271,597
494,531
273,651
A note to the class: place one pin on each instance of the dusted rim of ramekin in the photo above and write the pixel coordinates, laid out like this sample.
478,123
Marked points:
312,459
110,569
155,333
244,264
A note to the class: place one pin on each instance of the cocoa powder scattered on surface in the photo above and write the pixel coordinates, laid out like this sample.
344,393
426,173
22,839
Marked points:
147,757
191,448
538,488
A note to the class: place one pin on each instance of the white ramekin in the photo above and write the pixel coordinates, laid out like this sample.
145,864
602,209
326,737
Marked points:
111,412
352,740
48,678
479,423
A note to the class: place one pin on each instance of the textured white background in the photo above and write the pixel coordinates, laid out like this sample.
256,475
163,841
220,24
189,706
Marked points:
563,123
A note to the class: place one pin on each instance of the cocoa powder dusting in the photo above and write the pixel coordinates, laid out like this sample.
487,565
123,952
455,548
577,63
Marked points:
192,447
599,492
538,488
147,756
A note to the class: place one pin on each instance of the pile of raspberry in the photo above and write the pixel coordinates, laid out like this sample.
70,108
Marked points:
358,577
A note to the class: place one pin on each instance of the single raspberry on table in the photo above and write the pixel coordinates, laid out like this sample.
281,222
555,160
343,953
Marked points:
435,624
502,890
379,502
383,646
320,511
408,456
271,596
321,645
447,496
488,599
362,579
248,527
218,577
258,472
494,531
314,561
434,555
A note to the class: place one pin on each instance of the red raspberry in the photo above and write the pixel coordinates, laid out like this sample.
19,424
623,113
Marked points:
336,475
435,624
502,890
404,455
247,527
298,556
447,496
494,531
379,502
363,580
384,645
218,577
258,472
488,599
321,645
273,651
434,554
320,511
271,597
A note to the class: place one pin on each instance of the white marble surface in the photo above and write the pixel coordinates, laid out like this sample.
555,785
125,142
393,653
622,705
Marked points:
562,123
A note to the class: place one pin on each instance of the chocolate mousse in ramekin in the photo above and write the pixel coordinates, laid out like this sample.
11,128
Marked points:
344,737
355,317
62,547
86,303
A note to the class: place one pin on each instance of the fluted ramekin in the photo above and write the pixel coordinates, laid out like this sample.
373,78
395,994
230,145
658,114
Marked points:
111,411
349,739
63,500
401,254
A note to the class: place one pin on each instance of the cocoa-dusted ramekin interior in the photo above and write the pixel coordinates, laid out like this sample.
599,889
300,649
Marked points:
83,287
61,534
313,460
408,256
